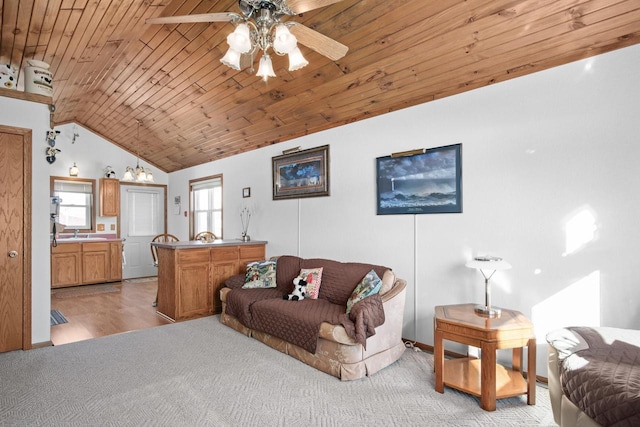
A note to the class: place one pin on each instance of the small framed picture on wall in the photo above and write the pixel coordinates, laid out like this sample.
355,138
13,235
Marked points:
246,192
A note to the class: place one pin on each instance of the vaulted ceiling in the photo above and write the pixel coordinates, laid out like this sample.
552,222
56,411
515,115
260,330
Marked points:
112,69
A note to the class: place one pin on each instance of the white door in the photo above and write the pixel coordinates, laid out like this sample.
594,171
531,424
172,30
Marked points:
142,218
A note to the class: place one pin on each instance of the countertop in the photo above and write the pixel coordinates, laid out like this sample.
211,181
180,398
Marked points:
200,244
87,240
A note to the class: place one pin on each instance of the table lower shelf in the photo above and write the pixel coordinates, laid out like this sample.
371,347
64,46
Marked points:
464,375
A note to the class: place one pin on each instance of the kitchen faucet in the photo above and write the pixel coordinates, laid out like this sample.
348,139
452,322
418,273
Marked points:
75,233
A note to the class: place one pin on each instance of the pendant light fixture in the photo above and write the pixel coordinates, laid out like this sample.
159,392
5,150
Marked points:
138,174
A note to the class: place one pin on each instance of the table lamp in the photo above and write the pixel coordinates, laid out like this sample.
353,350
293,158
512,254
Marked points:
489,264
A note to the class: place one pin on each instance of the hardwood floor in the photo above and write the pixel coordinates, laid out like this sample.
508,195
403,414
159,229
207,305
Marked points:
109,312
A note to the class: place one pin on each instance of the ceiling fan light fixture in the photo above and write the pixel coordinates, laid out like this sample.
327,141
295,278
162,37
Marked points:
232,59
240,39
296,60
284,41
265,70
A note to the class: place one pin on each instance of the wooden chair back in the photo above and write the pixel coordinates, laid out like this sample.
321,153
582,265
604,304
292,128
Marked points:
162,238
206,236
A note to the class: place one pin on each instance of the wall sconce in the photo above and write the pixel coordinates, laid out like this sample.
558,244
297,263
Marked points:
73,170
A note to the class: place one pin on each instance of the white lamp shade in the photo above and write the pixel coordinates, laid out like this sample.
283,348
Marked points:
232,59
284,41
488,263
266,68
240,40
140,174
296,60
149,176
73,170
128,174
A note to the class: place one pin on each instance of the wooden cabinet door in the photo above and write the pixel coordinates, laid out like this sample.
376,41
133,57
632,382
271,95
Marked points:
66,265
115,261
66,270
224,264
193,284
109,197
220,272
250,254
95,262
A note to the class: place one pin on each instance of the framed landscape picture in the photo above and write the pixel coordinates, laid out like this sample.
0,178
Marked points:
423,183
301,174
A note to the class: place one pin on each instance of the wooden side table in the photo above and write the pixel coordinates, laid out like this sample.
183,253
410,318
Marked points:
484,377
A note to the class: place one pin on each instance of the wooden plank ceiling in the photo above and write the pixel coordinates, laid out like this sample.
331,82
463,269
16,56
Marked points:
111,69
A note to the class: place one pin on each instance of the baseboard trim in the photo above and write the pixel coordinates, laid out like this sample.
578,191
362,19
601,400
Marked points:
41,344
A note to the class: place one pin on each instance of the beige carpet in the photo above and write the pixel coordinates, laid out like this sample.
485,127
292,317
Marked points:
202,373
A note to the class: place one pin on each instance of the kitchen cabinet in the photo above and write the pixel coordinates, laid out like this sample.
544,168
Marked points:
83,263
66,265
115,261
109,197
95,262
191,274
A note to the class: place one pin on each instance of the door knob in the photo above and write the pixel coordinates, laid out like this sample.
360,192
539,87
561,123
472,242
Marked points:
13,254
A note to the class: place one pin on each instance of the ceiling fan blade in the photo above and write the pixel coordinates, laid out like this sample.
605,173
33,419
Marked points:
190,19
301,6
319,42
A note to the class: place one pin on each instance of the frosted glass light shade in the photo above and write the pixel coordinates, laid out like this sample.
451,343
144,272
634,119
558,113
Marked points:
140,174
296,60
232,59
149,175
73,170
284,41
265,69
240,40
128,174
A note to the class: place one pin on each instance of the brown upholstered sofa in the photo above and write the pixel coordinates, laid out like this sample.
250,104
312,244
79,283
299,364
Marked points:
594,376
263,314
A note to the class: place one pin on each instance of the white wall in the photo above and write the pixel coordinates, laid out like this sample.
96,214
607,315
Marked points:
537,152
92,154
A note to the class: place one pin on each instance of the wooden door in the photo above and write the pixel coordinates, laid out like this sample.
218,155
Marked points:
15,238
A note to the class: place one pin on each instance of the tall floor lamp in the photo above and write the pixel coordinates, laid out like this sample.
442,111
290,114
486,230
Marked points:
488,265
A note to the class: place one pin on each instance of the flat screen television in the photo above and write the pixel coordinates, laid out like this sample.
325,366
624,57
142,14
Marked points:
427,182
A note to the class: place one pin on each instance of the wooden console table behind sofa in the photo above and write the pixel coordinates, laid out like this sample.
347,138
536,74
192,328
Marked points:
190,274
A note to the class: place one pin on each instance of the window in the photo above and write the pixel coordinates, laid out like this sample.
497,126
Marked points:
206,205
143,213
76,206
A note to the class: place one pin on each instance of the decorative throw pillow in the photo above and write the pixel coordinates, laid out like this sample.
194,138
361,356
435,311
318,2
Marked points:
260,274
369,285
388,279
313,276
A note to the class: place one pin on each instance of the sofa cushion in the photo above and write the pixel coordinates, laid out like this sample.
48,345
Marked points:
369,285
340,278
240,301
287,269
260,274
388,279
297,322
313,276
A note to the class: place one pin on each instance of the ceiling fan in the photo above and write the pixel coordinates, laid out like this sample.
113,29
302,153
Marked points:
260,27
